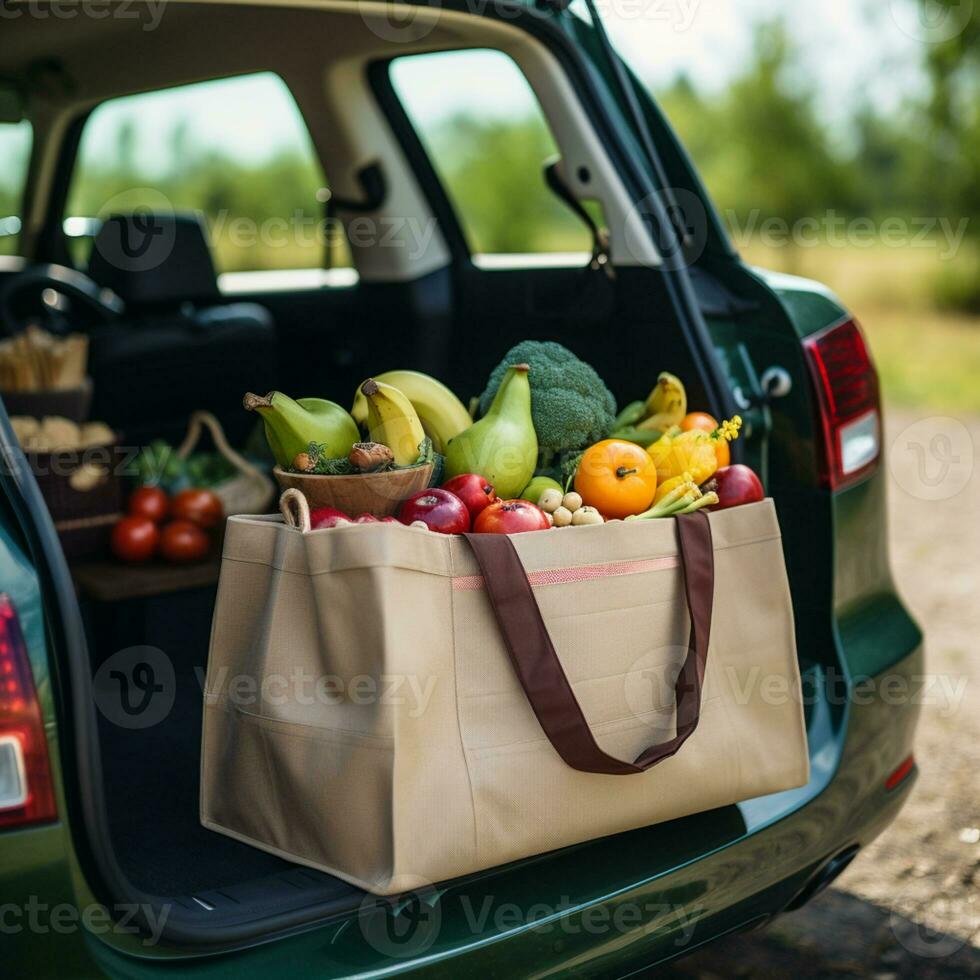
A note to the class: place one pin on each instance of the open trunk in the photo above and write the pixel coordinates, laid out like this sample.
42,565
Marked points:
221,889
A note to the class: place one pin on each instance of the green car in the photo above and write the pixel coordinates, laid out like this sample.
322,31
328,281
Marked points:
105,869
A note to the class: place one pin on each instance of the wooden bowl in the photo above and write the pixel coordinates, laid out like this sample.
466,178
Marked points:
379,494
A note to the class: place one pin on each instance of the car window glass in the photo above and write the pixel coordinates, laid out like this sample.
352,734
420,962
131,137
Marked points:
486,136
15,151
236,150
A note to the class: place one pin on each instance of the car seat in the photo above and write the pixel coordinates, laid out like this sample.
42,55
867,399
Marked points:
178,346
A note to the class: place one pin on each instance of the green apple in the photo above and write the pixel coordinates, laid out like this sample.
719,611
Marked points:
538,486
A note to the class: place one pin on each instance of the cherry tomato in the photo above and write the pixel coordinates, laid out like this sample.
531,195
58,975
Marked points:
201,507
184,541
149,502
134,539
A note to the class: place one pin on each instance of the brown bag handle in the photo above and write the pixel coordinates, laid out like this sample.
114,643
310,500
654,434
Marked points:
540,671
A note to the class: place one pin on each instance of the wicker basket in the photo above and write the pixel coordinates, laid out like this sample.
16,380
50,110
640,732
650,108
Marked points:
379,494
83,489
250,491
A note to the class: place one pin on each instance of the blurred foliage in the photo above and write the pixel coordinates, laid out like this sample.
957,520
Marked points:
493,171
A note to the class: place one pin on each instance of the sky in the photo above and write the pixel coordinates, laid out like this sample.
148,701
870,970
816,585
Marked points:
851,50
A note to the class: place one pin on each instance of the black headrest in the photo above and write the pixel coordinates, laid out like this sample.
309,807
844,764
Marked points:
154,259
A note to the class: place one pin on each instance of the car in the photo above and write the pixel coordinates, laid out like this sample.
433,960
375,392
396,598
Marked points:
105,869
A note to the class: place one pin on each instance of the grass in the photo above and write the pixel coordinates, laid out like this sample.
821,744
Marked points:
926,357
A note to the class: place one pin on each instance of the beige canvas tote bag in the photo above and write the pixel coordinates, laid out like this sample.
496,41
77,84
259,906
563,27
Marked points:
398,707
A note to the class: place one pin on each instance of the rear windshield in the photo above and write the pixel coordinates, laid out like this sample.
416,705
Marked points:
15,152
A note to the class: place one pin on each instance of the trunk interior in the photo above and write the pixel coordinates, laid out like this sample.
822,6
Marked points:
151,773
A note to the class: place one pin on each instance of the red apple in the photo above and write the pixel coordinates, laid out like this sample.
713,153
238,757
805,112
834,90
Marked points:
473,490
511,517
366,519
737,484
438,509
327,517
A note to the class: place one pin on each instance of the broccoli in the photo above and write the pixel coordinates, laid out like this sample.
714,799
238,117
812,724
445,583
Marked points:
570,405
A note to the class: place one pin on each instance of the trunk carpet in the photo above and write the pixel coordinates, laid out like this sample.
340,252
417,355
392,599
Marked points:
152,774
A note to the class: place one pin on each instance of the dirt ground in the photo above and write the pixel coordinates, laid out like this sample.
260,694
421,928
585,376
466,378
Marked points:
909,906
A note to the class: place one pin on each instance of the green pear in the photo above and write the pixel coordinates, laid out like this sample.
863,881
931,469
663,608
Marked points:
502,447
291,425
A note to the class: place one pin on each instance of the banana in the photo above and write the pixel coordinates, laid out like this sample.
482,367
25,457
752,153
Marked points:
441,413
392,421
666,404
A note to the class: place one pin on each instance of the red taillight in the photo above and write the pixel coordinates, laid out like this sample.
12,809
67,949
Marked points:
901,773
26,791
846,386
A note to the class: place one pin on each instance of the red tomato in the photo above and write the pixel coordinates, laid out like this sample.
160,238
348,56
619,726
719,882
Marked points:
149,502
201,507
184,541
134,539
510,517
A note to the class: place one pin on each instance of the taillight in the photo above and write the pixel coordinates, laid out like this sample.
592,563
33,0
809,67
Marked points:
26,791
846,386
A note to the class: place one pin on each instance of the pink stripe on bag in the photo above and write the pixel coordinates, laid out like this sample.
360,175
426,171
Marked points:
580,573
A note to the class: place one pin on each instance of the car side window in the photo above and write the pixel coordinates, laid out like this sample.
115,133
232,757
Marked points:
15,152
237,150
487,139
